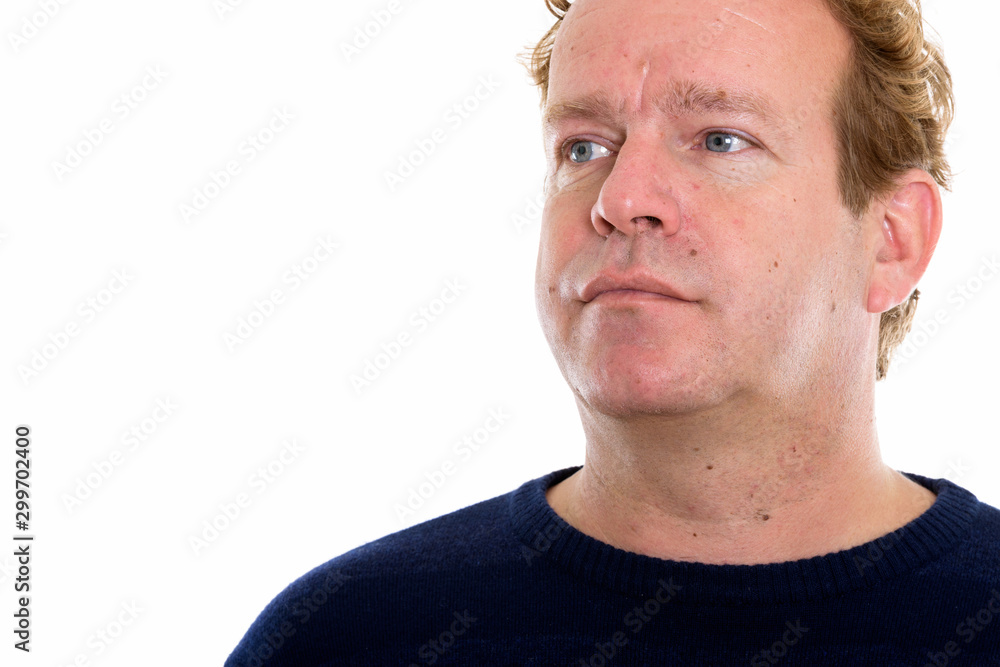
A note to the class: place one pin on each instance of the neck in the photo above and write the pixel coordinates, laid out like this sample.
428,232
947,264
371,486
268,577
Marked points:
738,484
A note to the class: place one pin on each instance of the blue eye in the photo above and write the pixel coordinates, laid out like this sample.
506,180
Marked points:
725,142
583,151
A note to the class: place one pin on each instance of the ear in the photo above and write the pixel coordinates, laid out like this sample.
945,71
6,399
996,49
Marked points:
910,224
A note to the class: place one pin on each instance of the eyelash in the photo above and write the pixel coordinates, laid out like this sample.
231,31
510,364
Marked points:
700,144
565,152
566,145
744,137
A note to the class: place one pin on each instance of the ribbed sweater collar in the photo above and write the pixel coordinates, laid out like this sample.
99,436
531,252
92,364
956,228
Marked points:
546,535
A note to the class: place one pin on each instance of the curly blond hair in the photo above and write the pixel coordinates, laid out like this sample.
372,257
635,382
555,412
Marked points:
893,107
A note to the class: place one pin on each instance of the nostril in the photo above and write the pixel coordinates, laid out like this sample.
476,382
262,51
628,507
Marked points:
603,227
653,221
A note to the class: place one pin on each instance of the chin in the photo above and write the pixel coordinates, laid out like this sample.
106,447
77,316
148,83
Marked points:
633,386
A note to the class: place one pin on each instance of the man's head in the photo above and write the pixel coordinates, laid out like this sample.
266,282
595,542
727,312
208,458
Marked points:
774,165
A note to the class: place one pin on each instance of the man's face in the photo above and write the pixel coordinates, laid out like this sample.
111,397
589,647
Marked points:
691,144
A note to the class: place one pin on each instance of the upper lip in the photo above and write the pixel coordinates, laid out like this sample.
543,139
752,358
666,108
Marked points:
635,280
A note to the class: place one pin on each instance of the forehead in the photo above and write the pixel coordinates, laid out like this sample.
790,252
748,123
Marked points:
783,56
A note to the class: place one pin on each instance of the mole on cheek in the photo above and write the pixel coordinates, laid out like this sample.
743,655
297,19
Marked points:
694,252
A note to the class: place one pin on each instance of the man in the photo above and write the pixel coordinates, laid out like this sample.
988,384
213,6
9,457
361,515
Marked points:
741,199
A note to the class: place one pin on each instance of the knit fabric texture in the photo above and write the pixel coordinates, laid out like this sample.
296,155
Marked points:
506,581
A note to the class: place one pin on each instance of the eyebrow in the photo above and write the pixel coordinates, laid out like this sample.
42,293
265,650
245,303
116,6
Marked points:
684,98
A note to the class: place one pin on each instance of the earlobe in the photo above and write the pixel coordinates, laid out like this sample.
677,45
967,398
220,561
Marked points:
910,228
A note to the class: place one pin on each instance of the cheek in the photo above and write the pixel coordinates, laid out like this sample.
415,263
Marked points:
762,225
566,228
563,244
743,247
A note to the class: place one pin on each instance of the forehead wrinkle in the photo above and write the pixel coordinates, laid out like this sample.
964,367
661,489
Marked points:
675,100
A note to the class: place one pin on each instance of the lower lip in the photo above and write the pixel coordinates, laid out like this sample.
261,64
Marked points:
629,296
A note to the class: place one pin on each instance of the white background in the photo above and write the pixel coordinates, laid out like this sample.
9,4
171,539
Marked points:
162,337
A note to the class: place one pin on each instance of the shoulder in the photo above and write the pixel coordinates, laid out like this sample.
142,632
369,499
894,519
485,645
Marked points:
364,597
958,506
451,539
968,526
983,542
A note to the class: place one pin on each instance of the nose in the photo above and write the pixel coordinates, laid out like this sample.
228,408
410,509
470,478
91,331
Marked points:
637,196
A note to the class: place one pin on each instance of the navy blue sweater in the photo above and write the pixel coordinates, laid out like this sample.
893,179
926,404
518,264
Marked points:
507,582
